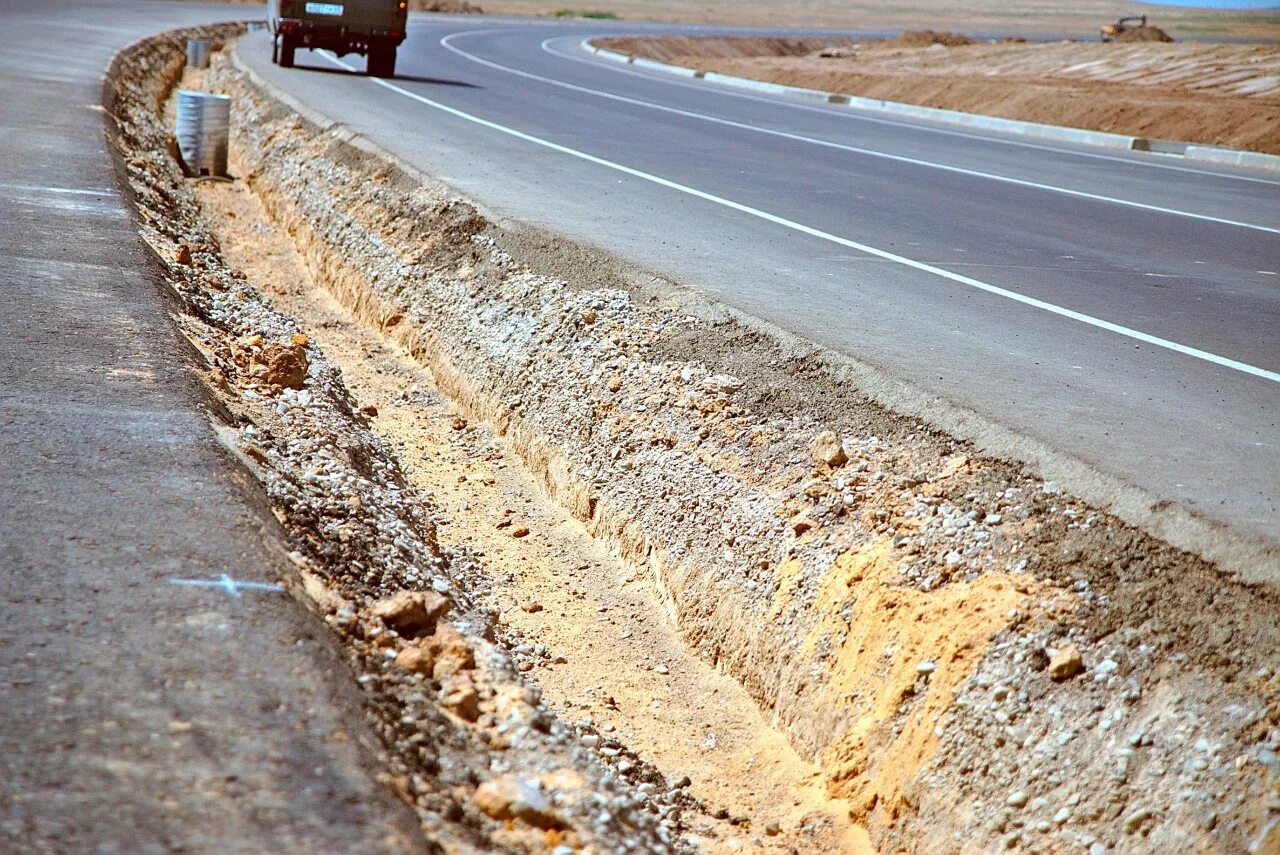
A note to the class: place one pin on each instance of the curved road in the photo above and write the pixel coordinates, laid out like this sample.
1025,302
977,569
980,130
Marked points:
1121,308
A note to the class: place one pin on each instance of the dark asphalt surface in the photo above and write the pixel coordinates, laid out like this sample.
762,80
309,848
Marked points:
137,716
756,200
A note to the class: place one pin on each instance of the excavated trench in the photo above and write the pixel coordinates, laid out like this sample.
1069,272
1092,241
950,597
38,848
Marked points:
588,629
702,593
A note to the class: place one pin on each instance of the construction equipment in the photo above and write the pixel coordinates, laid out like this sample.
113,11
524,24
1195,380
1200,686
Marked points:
1124,25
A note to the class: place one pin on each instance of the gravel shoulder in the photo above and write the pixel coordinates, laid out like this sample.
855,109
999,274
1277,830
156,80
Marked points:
1226,95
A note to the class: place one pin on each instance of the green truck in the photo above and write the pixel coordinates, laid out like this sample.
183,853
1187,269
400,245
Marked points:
371,28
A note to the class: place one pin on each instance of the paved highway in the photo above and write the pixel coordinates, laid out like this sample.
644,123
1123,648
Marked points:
138,715
1120,308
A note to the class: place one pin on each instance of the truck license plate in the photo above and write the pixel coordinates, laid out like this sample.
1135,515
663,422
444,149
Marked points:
324,8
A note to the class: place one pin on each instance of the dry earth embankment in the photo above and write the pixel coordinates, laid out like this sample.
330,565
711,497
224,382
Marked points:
1225,95
975,658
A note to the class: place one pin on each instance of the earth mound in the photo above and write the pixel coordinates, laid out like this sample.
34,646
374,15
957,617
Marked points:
1144,34
928,38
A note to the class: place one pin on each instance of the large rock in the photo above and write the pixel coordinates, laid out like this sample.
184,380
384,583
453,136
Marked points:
451,651
828,450
458,695
281,365
1066,663
411,612
418,658
508,797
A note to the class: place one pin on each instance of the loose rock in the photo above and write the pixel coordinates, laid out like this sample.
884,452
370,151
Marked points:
459,696
1066,664
828,450
417,658
508,797
411,612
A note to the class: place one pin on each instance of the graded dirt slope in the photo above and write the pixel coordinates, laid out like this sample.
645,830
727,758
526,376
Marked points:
1225,95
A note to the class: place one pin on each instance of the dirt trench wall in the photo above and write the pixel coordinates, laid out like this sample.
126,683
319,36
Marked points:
890,597
464,744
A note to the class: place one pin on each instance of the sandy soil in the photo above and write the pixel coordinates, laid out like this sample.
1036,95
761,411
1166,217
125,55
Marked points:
1213,94
1030,17
601,642
988,17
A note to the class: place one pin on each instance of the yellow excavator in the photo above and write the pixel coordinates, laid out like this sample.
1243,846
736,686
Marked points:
1124,25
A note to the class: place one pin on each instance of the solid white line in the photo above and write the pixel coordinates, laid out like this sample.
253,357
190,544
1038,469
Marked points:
817,233
36,188
826,143
929,164
856,114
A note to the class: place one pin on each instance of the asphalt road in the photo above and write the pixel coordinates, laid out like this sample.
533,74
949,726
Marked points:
1118,309
138,715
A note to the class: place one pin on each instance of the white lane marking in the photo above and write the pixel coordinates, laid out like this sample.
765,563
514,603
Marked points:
226,583
929,164
36,188
1137,335
861,116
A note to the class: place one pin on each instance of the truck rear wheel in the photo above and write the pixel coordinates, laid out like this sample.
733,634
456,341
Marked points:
382,61
287,47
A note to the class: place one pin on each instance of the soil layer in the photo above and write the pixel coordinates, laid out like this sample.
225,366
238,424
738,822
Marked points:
586,628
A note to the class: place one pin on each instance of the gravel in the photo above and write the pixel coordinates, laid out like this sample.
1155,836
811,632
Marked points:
365,545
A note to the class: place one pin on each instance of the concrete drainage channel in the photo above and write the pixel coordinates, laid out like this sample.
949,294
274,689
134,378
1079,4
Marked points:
576,460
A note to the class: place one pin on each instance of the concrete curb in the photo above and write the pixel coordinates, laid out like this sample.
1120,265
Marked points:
1035,130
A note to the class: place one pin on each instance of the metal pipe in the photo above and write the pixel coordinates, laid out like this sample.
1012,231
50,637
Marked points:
203,130
198,53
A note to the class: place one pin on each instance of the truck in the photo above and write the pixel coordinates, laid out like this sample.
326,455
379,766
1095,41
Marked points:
371,28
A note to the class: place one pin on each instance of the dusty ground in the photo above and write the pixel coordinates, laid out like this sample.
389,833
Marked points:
1214,94
588,629
1030,17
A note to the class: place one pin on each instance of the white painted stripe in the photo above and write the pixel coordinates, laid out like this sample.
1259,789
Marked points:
1137,335
36,188
1140,160
929,164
